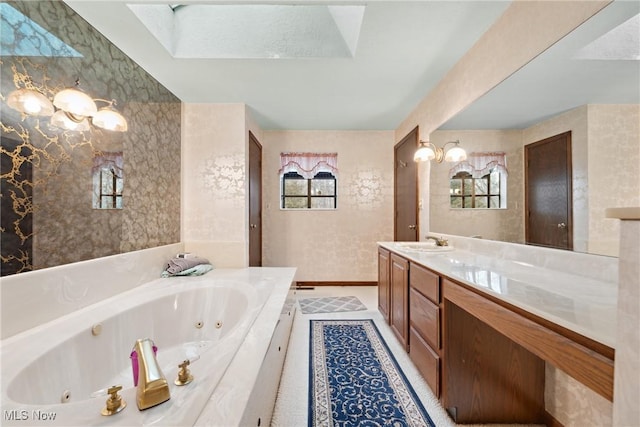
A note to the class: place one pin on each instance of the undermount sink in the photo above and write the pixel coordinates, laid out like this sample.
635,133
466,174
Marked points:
424,247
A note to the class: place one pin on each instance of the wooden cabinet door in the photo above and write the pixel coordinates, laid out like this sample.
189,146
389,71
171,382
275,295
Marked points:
400,299
384,288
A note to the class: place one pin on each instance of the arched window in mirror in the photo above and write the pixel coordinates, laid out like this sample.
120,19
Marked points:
108,180
480,182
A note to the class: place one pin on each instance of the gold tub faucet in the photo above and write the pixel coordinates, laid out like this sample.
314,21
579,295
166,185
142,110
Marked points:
152,388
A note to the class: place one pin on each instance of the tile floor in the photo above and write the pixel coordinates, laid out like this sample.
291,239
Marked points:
292,401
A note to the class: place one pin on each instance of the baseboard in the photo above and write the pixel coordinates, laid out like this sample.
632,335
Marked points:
300,284
550,421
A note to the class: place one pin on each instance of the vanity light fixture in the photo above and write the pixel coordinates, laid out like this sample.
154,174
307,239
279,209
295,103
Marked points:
71,108
428,151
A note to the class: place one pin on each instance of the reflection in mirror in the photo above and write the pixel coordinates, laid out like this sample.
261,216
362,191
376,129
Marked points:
108,180
64,197
587,84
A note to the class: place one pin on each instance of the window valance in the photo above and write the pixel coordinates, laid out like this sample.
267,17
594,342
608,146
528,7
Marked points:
308,164
109,160
480,164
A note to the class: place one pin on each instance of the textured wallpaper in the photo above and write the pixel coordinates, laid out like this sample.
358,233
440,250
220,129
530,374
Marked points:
215,182
496,224
614,170
331,245
606,168
47,214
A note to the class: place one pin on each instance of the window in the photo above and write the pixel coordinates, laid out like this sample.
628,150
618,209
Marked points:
479,182
308,181
318,192
469,192
108,181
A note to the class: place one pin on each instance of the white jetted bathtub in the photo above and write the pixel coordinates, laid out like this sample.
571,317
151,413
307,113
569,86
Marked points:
51,373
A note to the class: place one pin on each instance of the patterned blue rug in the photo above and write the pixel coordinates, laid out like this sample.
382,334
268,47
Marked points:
354,379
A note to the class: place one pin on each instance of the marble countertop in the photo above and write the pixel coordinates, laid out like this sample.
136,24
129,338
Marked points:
582,304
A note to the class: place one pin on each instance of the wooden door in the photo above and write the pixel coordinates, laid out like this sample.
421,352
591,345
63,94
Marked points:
400,299
255,202
406,189
548,196
384,287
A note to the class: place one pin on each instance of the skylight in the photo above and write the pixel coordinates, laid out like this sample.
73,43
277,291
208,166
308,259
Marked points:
621,43
20,36
254,31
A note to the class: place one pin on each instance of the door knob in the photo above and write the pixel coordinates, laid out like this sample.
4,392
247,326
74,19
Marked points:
253,226
562,225
412,227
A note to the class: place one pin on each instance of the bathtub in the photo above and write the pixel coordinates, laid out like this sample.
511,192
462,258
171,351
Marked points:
55,374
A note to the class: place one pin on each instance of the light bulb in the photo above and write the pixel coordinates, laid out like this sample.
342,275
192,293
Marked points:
424,154
456,154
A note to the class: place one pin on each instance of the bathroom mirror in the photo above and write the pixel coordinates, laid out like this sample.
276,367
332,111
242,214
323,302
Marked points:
48,208
587,83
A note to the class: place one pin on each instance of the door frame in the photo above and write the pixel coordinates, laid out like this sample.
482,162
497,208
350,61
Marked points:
254,140
566,137
406,138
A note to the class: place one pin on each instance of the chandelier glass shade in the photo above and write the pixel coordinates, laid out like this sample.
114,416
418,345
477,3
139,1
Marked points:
109,118
31,102
428,151
64,120
455,154
75,102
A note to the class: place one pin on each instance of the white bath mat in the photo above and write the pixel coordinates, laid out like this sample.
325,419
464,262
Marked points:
330,304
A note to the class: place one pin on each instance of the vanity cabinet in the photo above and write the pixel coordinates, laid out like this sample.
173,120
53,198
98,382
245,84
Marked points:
399,314
384,280
504,383
425,334
484,358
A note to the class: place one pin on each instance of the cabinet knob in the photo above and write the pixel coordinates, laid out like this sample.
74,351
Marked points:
562,225
412,227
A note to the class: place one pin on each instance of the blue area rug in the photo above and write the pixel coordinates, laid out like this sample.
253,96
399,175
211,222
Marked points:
354,379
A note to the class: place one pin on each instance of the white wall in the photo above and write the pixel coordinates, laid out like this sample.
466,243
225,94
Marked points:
214,183
614,171
334,245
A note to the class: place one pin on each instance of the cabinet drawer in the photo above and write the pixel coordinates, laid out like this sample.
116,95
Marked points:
425,281
425,318
426,360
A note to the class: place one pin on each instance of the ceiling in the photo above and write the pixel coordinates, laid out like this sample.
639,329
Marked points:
349,65
598,63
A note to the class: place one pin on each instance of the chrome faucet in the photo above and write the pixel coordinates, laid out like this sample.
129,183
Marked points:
439,241
152,388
